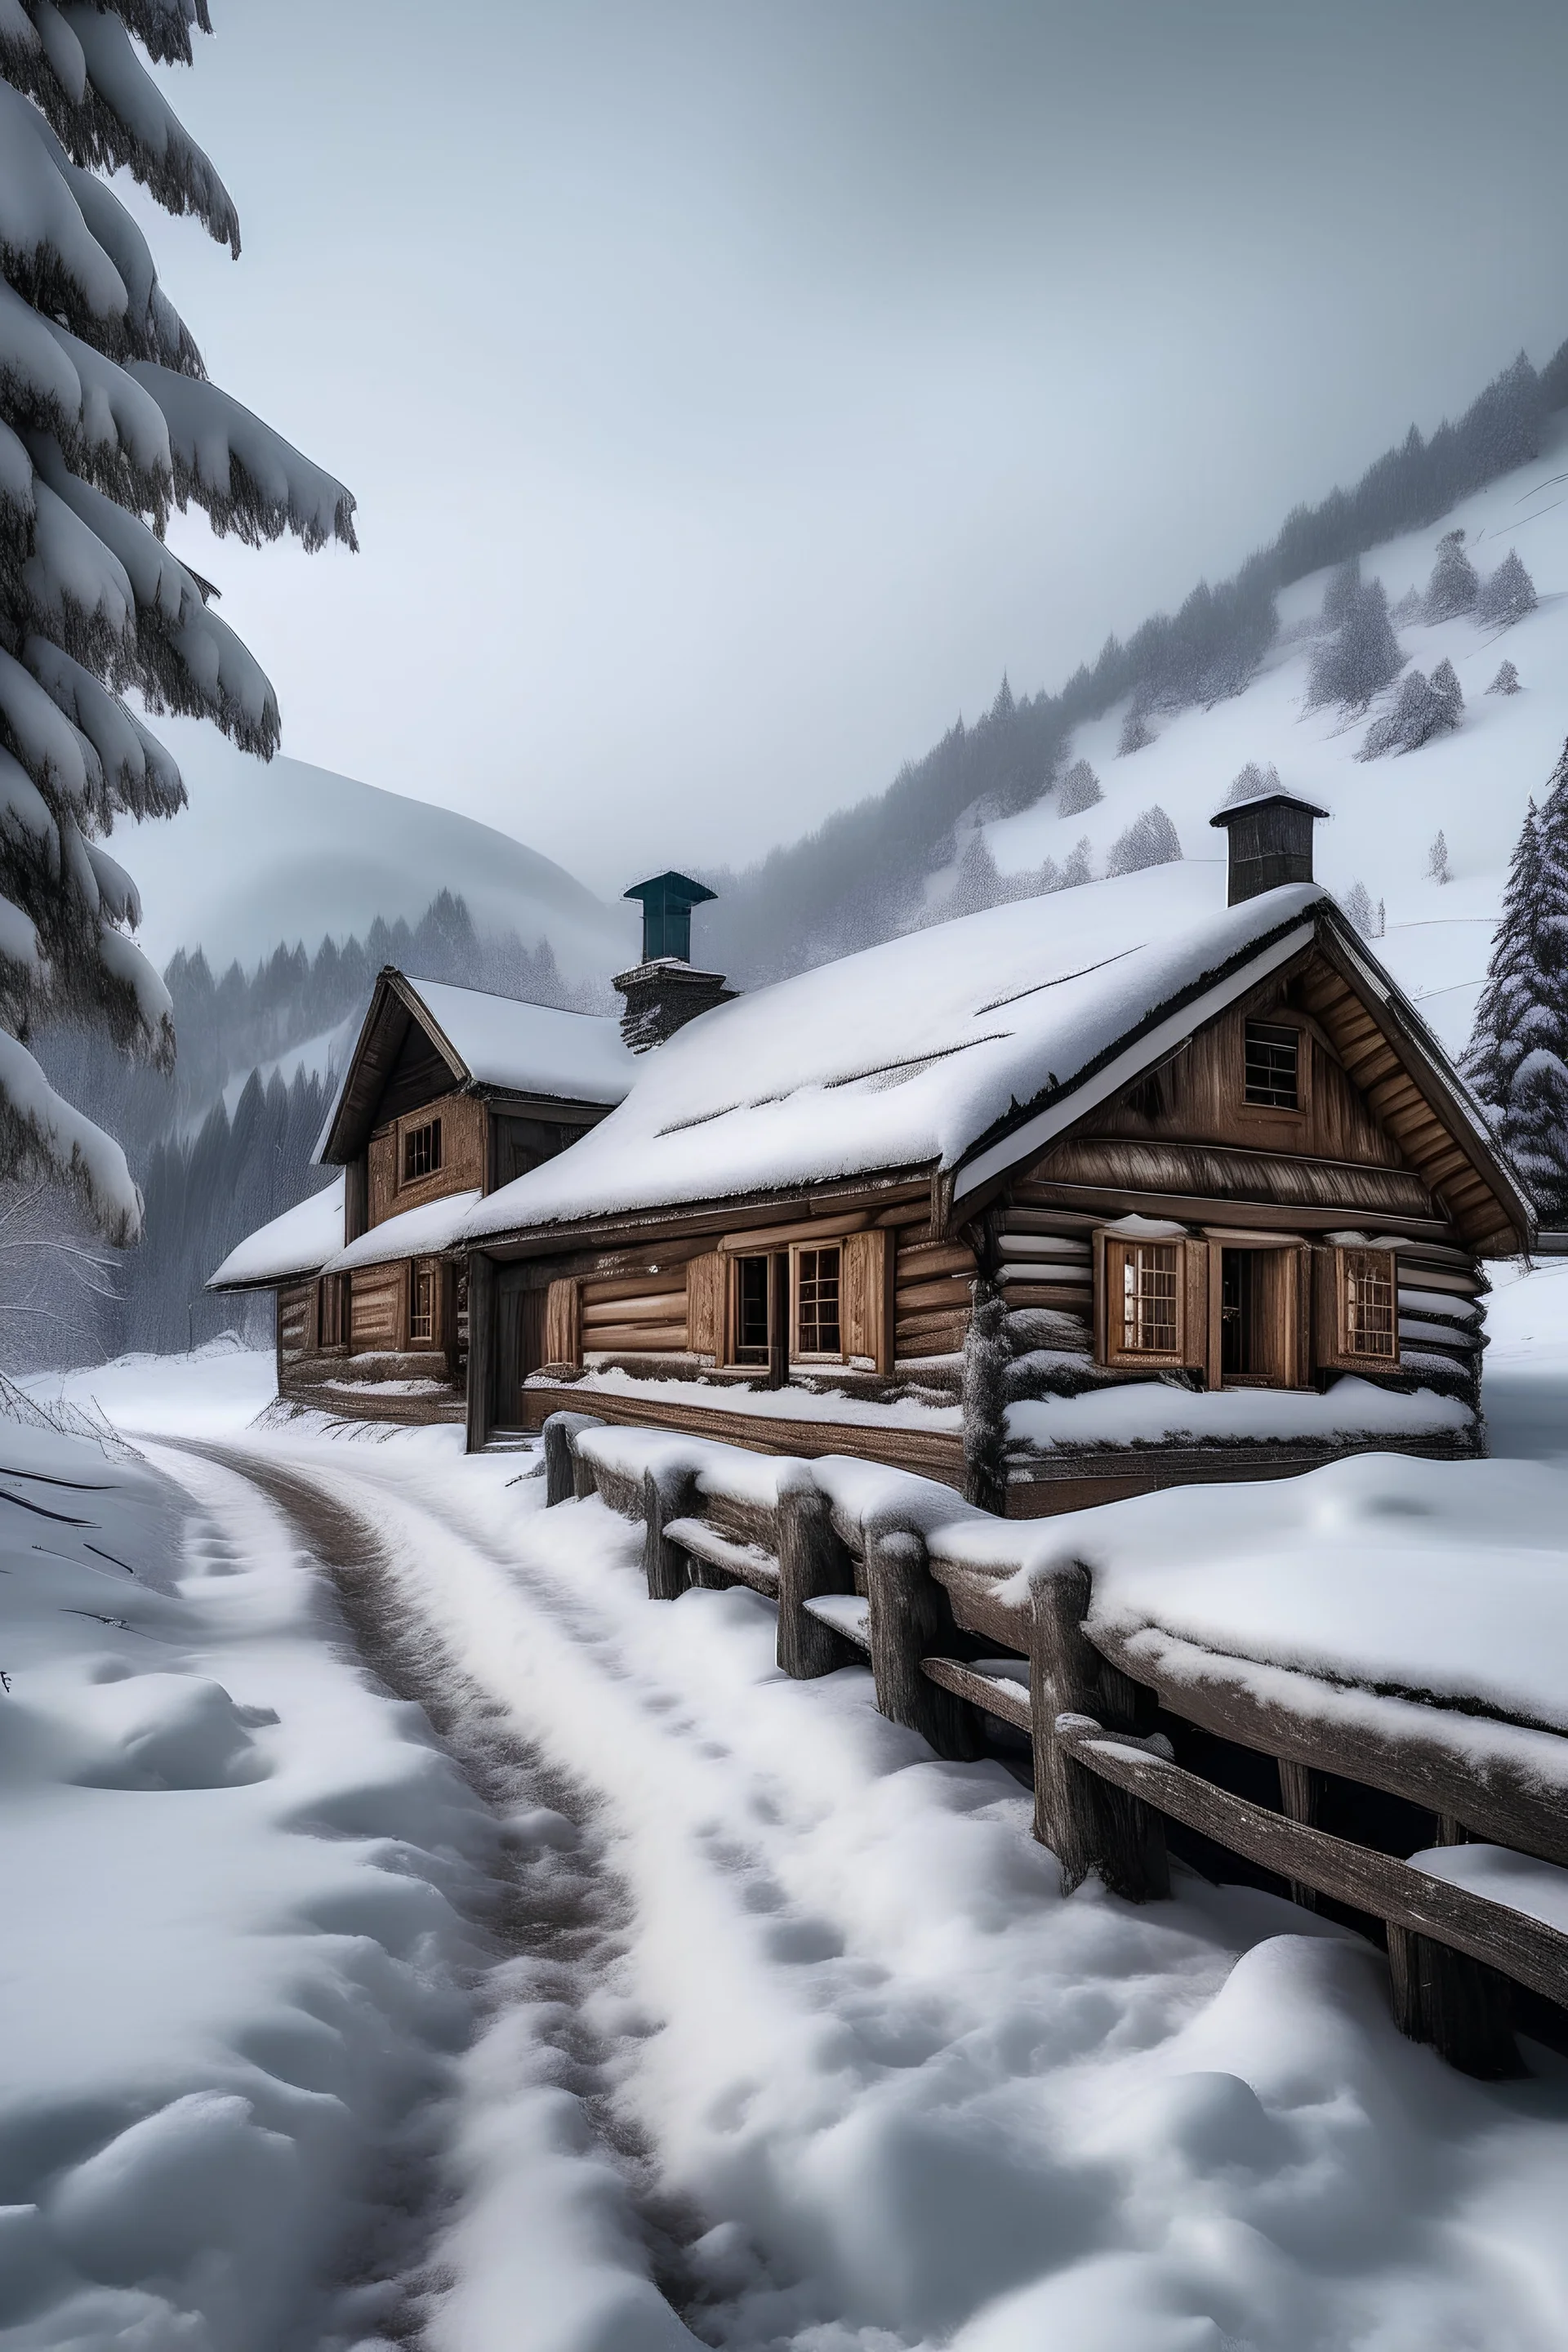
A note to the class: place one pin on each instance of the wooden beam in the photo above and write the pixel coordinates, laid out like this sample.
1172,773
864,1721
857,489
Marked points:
1526,1949
1504,1802
1009,1701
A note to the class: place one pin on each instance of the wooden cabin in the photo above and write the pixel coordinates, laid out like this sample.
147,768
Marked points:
1077,1197
448,1096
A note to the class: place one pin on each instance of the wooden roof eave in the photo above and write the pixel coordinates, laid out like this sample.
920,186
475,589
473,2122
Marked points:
887,1188
1511,1229
349,1122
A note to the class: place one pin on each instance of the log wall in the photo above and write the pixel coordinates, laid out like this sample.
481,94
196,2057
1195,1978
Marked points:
464,1156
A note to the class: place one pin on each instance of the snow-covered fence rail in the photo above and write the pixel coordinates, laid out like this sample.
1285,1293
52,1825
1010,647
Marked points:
969,1622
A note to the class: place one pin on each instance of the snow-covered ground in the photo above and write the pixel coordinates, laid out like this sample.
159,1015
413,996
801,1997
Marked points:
774,2013
1473,785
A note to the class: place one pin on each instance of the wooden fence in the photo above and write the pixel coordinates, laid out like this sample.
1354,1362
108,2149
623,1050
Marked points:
868,1565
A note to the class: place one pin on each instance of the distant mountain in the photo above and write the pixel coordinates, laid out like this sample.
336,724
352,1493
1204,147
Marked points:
1471,785
1188,685
269,855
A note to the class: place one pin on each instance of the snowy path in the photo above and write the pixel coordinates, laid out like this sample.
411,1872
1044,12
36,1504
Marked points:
798,2028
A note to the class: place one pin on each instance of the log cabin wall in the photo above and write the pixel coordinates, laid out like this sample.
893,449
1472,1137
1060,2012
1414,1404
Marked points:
932,1296
463,1157
296,1336
377,1308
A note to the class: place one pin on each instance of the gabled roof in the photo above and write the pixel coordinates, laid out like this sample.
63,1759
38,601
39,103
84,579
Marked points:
488,1044
292,1247
960,1049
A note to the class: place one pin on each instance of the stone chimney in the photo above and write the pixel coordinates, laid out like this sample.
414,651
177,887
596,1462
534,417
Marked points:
1270,841
663,993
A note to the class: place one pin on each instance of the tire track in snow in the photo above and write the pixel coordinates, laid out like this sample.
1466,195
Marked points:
560,1911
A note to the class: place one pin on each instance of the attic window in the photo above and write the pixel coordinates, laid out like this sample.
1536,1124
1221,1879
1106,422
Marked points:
1273,1058
421,1150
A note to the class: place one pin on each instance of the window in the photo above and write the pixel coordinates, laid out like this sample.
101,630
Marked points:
753,1323
816,1302
1368,1304
422,1302
1273,1064
332,1318
1151,1274
421,1150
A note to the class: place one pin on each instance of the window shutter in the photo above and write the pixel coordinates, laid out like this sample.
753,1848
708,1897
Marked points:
863,1306
1196,1319
705,1288
562,1330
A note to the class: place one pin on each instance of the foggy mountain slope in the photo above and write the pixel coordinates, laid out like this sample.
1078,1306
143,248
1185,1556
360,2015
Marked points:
1473,785
862,875
269,855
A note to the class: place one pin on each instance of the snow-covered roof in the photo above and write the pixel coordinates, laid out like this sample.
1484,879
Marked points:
908,1054
496,1042
416,1232
298,1242
532,1049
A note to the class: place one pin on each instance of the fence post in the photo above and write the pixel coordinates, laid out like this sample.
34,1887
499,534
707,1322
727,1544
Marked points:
813,1560
1088,1824
911,1618
1457,2004
663,1500
560,1467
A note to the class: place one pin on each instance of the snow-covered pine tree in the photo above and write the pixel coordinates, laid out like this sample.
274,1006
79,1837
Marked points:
1506,594
1078,869
1358,908
1437,861
106,420
1453,587
1449,693
1135,730
1150,840
1078,790
1363,655
1518,1055
1506,680
1339,595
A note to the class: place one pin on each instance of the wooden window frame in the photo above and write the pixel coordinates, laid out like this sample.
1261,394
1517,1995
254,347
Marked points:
1334,1349
408,1138
733,1263
419,1268
1111,1252
797,1354
1251,1112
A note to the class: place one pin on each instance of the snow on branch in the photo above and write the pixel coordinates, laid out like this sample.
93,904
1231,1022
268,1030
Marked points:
141,777
249,480
41,1133
45,240
121,120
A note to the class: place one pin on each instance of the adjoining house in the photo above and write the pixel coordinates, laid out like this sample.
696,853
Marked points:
449,1095
1075,1197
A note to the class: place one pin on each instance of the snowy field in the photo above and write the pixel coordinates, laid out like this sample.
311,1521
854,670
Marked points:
419,1936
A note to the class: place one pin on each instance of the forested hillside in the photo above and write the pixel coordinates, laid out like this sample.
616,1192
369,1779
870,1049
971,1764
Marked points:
861,876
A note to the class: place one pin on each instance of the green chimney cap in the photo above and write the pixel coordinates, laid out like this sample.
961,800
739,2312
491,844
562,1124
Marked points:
667,903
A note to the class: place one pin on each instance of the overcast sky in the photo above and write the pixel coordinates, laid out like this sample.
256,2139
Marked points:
731,391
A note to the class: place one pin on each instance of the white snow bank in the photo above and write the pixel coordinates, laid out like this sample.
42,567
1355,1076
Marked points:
903,2090
298,1242
1153,1413
1447,1579
763,1404
214,1392
1539,1889
233,1964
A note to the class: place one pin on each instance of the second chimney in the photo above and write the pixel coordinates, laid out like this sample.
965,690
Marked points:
1270,843
664,992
